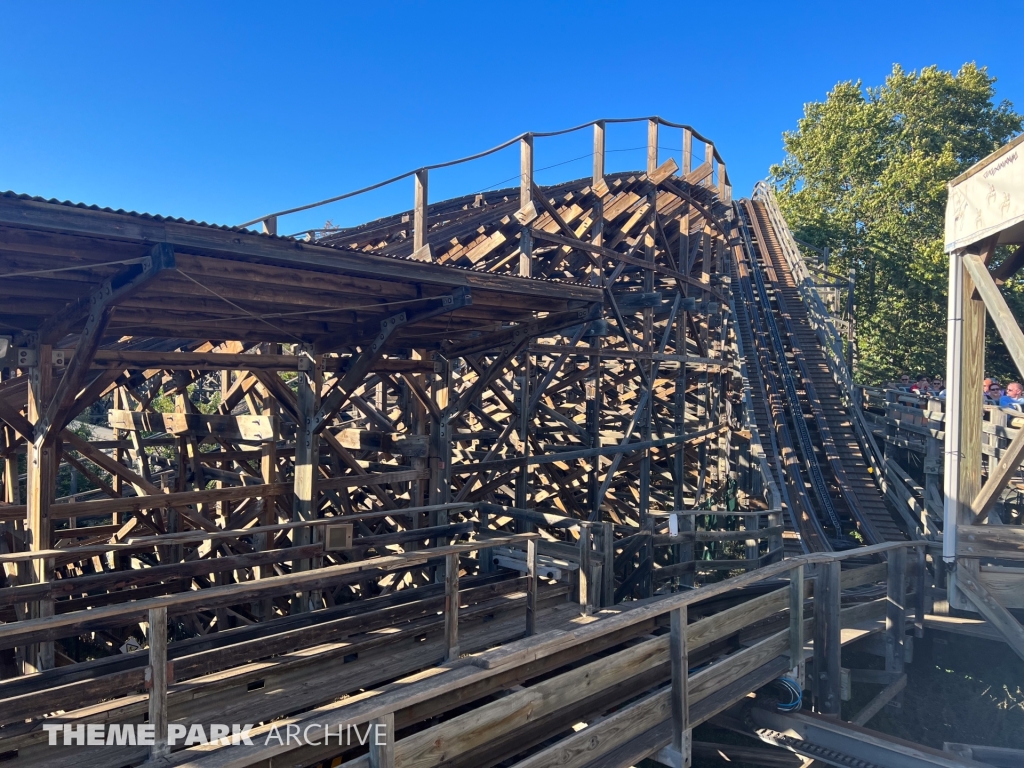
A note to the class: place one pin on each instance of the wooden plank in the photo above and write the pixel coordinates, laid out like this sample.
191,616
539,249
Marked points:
895,613
827,643
680,665
193,361
999,541
451,607
157,681
235,428
531,587
796,622
383,755
883,697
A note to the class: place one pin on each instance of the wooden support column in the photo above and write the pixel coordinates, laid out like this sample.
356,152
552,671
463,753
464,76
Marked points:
895,611
796,623
41,477
683,551
522,402
157,682
441,440
827,640
420,243
650,344
268,514
965,372
678,753
921,591
607,564
586,570
382,742
687,151
525,198
652,146
307,460
451,607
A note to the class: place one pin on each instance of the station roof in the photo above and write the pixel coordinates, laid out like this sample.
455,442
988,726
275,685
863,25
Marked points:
233,283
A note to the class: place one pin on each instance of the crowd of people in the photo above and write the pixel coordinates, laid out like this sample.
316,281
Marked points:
922,385
994,393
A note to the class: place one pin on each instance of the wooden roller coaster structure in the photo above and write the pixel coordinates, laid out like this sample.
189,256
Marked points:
455,472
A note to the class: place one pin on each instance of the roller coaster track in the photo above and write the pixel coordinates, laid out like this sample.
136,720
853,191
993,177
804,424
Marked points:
828,485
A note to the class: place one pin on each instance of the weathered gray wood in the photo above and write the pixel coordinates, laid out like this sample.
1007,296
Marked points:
451,606
419,221
679,660
883,697
383,755
896,612
989,607
158,680
796,622
827,643
531,587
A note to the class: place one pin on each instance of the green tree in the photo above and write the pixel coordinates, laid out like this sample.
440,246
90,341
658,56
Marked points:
865,173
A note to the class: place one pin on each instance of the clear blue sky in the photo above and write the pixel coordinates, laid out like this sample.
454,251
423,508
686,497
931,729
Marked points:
225,111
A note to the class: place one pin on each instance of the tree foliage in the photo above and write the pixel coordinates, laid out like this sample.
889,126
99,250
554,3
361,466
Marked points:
865,174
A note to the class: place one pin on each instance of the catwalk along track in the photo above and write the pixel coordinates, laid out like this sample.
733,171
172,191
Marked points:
802,411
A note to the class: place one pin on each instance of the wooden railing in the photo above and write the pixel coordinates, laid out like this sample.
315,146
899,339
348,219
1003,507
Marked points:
677,698
712,160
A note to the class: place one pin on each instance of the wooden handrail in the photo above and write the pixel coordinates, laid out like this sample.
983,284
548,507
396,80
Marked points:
690,133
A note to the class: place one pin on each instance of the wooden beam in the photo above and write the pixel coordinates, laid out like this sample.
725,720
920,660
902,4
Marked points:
419,220
990,608
451,607
796,622
883,697
966,369
1007,467
157,681
382,742
997,541
193,361
827,642
249,429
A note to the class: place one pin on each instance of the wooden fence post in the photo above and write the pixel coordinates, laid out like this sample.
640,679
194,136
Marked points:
531,587
921,598
451,607
608,566
827,641
420,249
895,611
678,753
525,198
796,623
586,574
382,755
158,681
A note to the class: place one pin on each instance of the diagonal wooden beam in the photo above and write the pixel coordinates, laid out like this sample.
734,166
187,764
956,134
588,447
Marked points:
1013,338
998,478
997,308
990,608
439,305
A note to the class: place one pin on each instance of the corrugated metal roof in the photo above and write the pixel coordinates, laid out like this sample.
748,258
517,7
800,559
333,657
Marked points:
192,222
121,211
